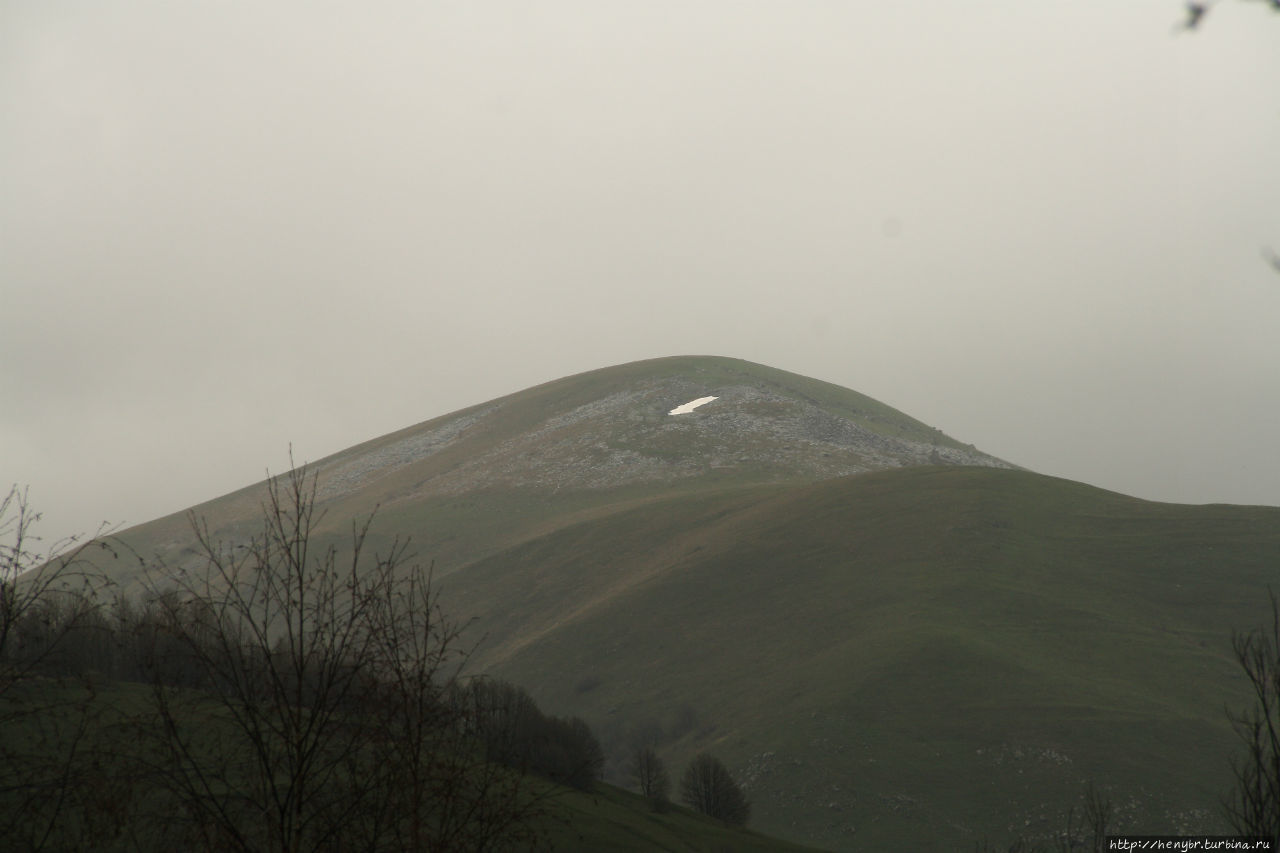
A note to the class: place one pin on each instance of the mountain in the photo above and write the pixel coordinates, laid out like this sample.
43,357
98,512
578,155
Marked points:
892,638
474,481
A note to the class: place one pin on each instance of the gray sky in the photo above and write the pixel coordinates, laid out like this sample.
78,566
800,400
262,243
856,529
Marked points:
228,226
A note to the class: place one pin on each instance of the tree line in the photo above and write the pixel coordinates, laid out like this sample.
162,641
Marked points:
284,695
706,786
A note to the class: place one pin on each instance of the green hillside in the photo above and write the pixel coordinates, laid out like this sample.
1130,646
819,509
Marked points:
934,654
611,820
889,637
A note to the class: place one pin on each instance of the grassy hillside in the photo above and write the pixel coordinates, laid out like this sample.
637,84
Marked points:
611,819
112,803
933,654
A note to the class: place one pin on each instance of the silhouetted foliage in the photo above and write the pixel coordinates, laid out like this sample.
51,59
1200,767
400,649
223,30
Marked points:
301,698
1099,814
50,635
45,598
1253,807
304,699
650,776
516,733
706,786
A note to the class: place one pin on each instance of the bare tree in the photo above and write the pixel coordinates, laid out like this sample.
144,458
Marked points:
48,621
440,791
650,776
1253,807
707,787
301,698
1099,815
43,595
1090,833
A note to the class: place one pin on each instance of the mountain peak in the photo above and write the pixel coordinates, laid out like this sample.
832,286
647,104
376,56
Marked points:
651,422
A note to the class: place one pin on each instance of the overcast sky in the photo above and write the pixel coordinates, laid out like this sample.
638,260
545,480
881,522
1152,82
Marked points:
228,226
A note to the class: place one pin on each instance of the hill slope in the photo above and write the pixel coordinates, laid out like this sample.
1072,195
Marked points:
931,654
609,820
888,635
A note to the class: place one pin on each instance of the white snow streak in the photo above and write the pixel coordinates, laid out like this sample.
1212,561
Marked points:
690,406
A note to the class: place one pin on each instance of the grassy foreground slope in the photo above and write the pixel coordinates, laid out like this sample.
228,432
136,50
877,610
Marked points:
125,806
937,655
610,819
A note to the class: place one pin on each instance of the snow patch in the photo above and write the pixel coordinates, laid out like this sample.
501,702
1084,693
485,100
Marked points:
691,405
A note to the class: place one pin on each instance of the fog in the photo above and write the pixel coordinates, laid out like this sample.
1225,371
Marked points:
230,227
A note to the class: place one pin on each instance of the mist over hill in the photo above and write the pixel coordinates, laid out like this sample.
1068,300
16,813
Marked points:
888,635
